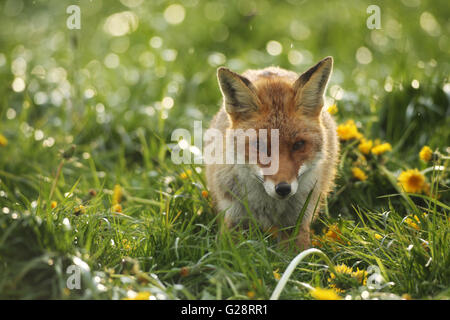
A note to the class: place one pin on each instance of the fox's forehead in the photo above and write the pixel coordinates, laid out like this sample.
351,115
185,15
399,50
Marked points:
275,94
289,127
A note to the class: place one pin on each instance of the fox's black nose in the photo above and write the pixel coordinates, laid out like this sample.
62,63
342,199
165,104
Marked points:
283,189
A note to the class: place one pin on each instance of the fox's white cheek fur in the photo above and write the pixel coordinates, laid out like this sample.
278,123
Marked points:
294,187
304,167
269,186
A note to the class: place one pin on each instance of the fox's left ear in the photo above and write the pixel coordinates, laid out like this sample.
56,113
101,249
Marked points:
311,85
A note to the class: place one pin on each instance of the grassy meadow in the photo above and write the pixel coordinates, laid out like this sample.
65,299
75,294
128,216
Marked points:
87,180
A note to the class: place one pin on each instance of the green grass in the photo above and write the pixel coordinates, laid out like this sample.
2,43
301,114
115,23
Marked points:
167,240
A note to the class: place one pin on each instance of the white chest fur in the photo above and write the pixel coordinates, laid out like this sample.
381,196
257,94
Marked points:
267,210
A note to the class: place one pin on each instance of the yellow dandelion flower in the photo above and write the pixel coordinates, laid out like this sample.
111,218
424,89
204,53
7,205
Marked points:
183,175
117,208
426,153
251,294
117,194
425,244
333,109
186,174
53,204
378,236
365,146
276,275
66,291
3,141
410,222
80,210
315,242
406,296
359,174
324,294
342,269
339,284
348,131
381,148
411,181
144,295
126,244
333,233
360,276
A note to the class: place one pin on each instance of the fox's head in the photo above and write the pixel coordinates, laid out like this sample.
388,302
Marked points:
277,99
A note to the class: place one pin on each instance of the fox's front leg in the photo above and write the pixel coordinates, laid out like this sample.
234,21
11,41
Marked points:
234,215
303,240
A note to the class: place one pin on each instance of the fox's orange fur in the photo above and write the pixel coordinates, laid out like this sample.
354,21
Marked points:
275,98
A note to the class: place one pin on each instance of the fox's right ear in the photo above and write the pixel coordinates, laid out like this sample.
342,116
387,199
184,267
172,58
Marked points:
238,92
311,85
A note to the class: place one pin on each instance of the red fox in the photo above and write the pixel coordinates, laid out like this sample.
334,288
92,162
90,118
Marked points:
274,98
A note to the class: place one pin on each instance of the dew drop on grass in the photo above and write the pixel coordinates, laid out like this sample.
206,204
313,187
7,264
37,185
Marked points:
18,84
274,48
38,135
10,114
363,55
49,142
365,294
66,224
174,14
156,42
446,88
83,265
161,296
295,57
167,102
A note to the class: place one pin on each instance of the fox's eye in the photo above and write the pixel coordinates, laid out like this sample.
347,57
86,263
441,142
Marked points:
298,145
